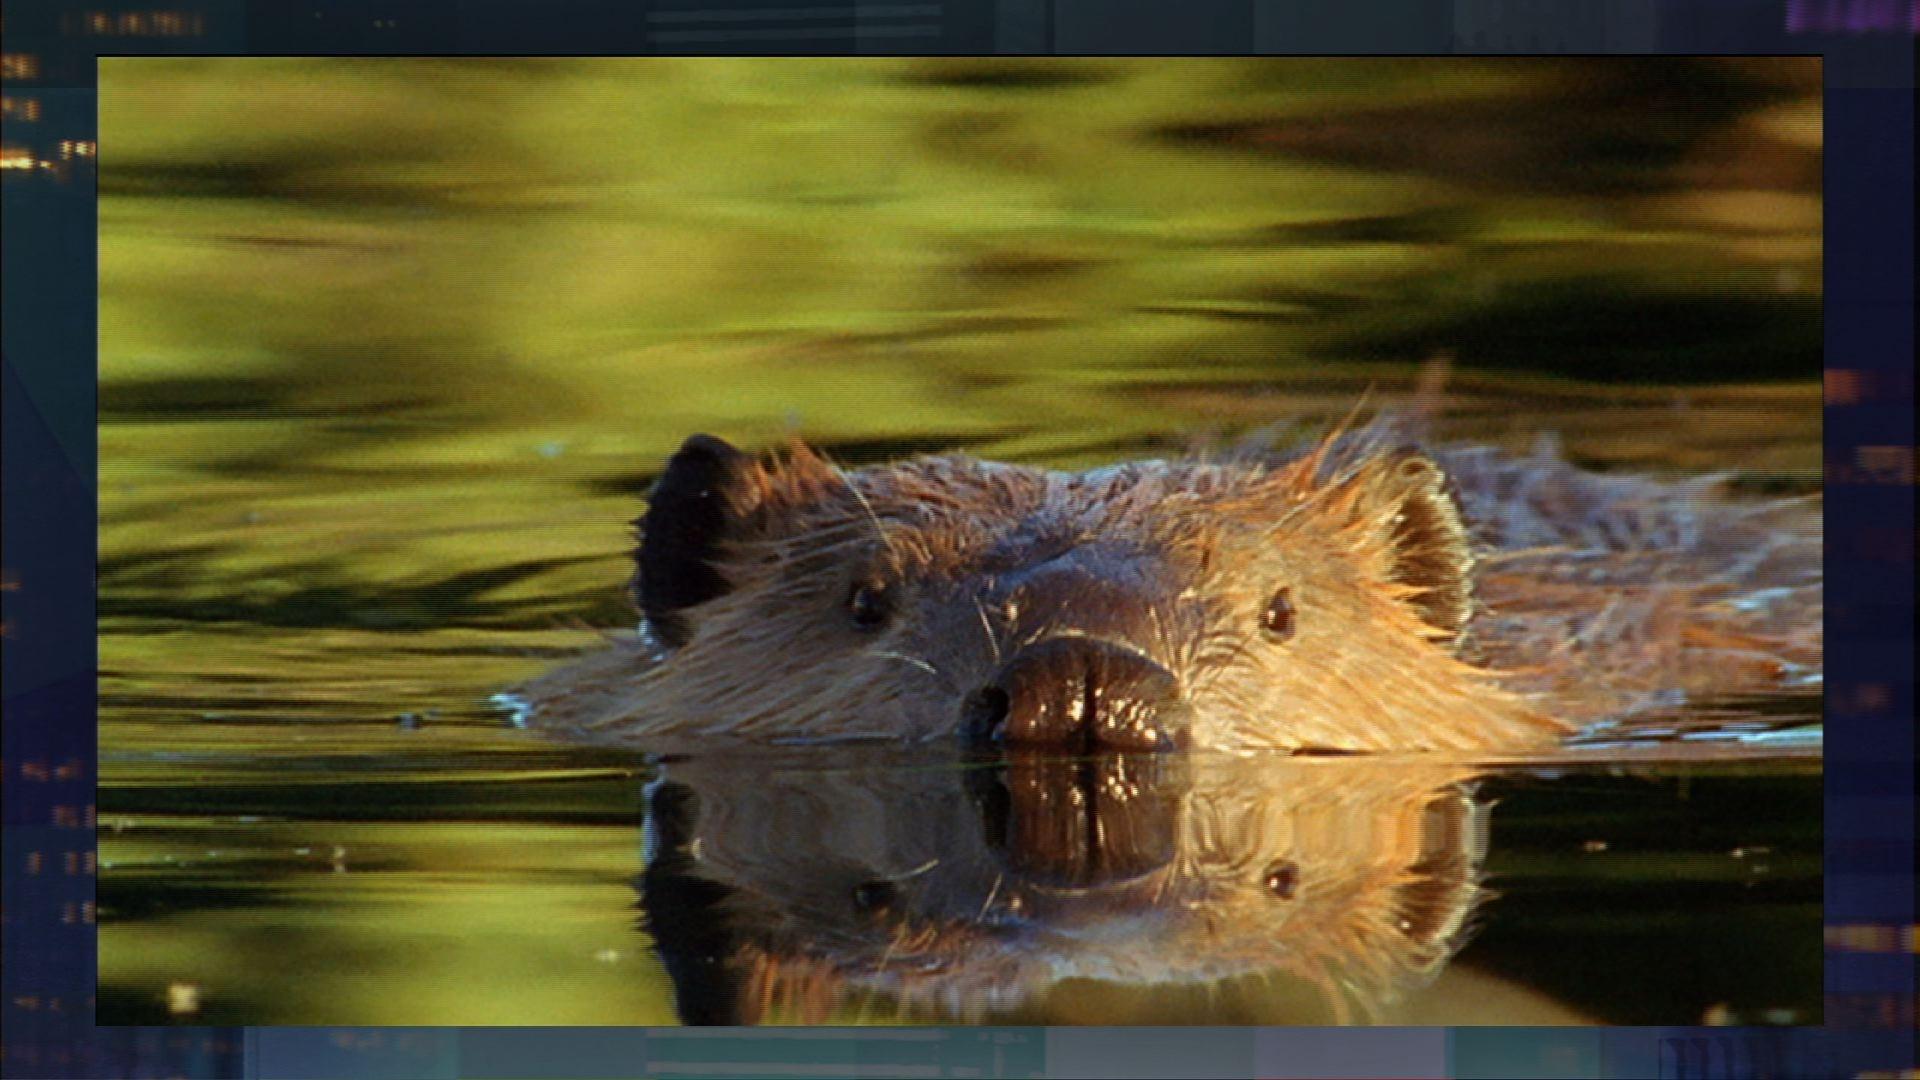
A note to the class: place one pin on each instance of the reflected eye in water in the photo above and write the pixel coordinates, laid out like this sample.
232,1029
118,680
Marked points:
1281,879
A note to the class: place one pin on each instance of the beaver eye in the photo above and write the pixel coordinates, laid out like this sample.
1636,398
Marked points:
1281,879
875,896
1277,618
869,605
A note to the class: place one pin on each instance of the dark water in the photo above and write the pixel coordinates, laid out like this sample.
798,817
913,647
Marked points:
390,352
528,885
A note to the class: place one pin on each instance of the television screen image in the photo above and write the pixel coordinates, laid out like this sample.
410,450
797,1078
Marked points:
1256,541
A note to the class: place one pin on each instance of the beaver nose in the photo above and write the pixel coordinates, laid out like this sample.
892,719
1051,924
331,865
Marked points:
1079,693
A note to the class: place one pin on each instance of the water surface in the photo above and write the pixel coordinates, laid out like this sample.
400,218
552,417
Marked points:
391,350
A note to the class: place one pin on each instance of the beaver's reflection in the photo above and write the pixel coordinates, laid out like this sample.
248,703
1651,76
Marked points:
967,888
1079,822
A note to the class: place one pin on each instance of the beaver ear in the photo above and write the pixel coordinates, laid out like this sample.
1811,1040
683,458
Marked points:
1440,890
696,506
692,918
1407,498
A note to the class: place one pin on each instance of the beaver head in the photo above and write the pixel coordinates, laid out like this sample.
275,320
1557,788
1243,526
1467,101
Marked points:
1317,603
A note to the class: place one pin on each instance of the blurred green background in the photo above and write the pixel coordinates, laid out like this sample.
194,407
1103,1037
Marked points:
445,285
391,348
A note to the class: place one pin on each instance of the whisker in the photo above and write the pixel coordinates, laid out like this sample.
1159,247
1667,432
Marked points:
986,627
1153,620
923,868
886,654
992,895
861,497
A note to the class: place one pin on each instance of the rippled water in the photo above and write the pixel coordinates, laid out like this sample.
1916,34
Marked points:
391,351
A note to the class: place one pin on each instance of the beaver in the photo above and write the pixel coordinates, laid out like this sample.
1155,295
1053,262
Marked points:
1302,890
1369,592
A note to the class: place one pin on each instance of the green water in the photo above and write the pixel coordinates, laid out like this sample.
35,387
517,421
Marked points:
390,350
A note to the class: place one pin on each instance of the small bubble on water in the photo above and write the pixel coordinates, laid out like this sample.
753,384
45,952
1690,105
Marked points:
183,998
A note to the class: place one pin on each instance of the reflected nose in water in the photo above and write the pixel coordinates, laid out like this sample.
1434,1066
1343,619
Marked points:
1079,823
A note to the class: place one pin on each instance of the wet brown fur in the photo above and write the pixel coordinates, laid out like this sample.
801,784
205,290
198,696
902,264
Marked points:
1448,598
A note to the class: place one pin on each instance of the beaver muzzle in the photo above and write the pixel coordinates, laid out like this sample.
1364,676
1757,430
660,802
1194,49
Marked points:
1079,693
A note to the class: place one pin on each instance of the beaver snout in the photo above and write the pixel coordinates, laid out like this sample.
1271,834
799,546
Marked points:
1079,693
